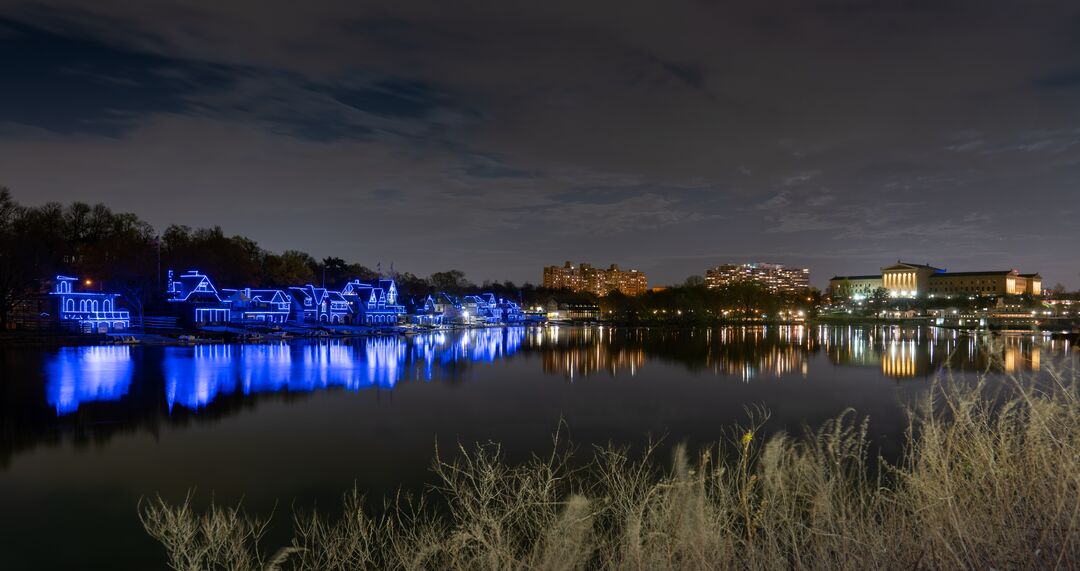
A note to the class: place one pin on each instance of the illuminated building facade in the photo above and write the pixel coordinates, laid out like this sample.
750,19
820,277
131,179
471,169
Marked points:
1004,282
88,312
260,305
486,309
197,300
483,309
777,278
425,311
319,305
375,303
560,310
904,280
597,281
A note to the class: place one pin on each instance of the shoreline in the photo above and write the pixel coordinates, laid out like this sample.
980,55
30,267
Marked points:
231,335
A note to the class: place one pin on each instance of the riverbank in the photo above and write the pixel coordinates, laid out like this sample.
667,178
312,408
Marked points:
987,479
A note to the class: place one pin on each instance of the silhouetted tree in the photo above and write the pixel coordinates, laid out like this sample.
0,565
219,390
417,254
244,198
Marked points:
291,267
450,281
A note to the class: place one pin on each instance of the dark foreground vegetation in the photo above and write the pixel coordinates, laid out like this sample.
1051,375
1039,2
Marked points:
990,478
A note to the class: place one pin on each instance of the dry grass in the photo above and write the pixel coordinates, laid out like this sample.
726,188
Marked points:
990,479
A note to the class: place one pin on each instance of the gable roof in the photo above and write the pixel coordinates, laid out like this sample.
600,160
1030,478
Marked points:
989,273
256,295
908,266
191,283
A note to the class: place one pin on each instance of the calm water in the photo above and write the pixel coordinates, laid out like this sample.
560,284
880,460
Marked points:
85,432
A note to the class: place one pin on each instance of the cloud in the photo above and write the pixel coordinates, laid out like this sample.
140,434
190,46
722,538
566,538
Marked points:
775,202
794,127
1062,80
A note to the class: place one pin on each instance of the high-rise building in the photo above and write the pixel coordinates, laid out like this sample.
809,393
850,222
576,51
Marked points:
776,278
586,278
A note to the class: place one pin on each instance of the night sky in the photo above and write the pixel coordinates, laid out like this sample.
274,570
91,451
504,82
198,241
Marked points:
499,137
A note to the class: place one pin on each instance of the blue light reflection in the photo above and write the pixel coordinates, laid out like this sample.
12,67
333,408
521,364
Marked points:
77,375
195,376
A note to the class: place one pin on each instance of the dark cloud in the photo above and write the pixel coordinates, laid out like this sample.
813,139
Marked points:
498,137
78,85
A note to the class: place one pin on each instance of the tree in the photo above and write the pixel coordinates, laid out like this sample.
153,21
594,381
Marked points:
230,261
291,267
335,272
451,280
119,251
32,247
410,285
694,281
15,277
364,273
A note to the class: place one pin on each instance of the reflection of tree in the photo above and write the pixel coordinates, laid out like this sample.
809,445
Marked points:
88,395
749,352
742,351
119,390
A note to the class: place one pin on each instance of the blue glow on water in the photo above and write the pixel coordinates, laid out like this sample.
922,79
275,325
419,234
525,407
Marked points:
77,375
196,376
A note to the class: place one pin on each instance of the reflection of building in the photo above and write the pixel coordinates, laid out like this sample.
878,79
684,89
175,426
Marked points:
906,280
905,359
78,375
89,312
578,352
752,352
197,376
584,361
586,278
774,277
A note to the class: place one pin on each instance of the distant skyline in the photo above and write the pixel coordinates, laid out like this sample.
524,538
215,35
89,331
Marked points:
496,138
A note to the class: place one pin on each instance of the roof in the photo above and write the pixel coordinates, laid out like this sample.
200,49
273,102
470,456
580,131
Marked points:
1035,275
902,265
186,285
873,277
248,294
986,273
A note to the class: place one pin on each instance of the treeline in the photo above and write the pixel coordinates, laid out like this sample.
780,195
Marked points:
119,252
693,302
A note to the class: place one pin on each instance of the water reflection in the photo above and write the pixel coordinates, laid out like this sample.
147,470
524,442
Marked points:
84,374
194,377
920,352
